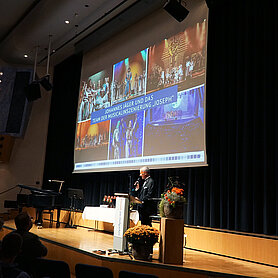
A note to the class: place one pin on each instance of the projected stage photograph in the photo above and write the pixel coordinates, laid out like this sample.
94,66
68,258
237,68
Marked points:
178,60
130,77
126,136
177,127
95,94
94,137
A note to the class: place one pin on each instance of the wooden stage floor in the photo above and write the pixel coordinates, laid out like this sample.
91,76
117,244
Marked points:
78,245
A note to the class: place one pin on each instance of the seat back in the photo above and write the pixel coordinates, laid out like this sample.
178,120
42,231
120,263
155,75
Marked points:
51,268
91,271
128,274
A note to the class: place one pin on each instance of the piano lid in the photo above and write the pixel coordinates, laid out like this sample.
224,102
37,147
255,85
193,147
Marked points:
35,190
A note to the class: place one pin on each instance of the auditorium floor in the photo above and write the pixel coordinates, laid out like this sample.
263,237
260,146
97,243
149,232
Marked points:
90,240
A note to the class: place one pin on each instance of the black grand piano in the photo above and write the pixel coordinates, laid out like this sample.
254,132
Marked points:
42,200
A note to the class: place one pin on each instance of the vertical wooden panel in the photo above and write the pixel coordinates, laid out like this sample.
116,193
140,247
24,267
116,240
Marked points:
171,241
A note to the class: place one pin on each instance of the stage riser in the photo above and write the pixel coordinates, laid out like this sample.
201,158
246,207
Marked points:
246,247
73,257
76,246
255,248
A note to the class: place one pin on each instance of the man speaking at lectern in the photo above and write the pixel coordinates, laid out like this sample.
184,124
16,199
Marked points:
145,192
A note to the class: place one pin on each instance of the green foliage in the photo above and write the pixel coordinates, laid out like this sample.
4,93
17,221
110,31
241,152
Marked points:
161,208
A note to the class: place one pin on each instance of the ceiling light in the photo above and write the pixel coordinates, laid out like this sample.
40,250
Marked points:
25,56
67,21
1,73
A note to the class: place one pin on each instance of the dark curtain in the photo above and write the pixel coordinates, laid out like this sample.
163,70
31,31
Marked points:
61,127
238,188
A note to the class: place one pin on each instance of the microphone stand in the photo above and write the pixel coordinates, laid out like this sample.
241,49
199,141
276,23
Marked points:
129,182
72,208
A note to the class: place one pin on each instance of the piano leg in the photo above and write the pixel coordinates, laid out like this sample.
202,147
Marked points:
58,218
38,221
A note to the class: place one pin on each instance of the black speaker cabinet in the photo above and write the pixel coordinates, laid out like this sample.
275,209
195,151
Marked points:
33,91
176,9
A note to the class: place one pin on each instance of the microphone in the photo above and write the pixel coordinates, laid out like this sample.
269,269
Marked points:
137,181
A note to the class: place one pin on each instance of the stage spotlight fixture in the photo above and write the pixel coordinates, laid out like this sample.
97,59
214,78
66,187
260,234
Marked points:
176,9
44,81
33,91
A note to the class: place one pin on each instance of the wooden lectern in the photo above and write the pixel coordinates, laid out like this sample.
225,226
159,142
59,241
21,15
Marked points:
171,241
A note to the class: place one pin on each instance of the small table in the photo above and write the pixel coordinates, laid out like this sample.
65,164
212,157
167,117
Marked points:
106,214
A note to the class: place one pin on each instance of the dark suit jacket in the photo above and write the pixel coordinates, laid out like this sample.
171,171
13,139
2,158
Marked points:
147,191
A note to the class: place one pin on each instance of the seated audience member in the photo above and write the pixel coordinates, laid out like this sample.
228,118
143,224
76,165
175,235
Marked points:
1,224
11,246
1,229
32,247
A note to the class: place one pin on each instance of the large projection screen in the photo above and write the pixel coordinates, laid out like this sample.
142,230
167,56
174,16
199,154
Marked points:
142,96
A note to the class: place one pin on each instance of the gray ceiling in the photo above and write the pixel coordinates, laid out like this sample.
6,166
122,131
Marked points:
28,24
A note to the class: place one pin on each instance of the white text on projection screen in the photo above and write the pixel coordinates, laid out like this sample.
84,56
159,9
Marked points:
148,109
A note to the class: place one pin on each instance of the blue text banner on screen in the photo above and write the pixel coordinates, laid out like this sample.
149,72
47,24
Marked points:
162,97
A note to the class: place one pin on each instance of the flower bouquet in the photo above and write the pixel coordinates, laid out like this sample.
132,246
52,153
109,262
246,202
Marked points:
109,201
172,200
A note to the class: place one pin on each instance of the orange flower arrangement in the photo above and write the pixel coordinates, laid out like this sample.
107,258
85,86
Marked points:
172,196
143,234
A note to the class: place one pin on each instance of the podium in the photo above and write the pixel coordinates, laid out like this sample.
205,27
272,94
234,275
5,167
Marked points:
121,221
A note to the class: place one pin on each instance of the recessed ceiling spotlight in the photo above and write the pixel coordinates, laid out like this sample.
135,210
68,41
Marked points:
25,56
53,50
1,73
67,21
87,6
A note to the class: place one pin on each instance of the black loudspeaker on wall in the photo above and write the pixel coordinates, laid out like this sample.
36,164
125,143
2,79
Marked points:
33,91
176,9
45,82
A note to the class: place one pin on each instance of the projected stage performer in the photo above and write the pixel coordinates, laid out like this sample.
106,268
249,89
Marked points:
116,141
147,191
128,82
128,135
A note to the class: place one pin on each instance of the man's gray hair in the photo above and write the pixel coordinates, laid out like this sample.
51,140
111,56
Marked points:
145,169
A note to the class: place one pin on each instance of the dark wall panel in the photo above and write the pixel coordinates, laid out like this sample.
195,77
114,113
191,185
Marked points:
18,103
